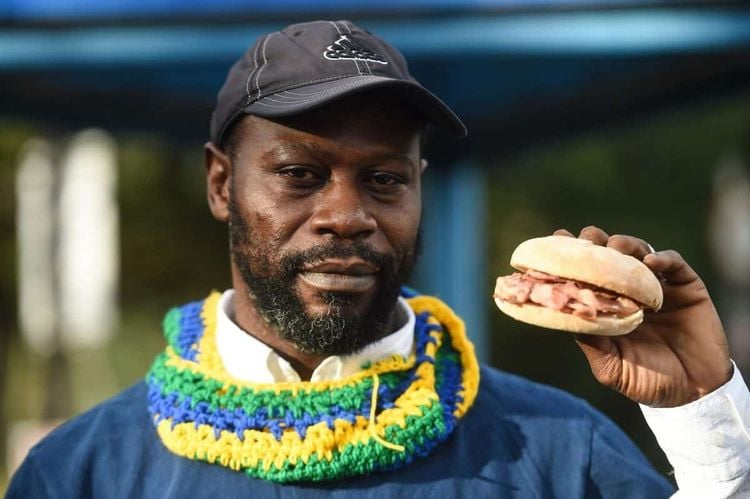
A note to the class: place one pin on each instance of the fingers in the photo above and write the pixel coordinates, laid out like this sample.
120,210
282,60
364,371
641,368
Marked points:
594,234
671,266
629,245
563,232
594,346
602,354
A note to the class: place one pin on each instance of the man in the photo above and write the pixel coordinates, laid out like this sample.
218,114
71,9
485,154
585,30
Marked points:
318,376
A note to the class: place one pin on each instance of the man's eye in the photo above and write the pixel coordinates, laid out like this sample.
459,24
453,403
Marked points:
386,179
297,173
300,177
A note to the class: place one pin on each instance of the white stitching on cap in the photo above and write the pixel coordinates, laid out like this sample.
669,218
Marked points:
367,64
318,80
279,97
302,97
290,98
255,67
301,94
337,28
296,93
356,64
317,96
265,62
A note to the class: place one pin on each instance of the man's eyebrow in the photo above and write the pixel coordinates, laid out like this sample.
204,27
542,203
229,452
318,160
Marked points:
395,157
314,149
294,146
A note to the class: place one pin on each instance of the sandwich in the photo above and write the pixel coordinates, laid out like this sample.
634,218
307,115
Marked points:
574,285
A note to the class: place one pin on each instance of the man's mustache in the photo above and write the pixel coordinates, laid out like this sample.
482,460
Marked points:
295,262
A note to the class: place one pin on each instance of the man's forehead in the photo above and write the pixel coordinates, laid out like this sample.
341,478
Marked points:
258,141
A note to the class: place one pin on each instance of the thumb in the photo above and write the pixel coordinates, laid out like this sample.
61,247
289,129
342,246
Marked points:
603,356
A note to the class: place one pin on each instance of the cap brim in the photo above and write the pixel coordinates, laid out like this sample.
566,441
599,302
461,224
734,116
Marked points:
309,97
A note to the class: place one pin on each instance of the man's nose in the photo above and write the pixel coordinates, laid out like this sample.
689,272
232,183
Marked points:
341,210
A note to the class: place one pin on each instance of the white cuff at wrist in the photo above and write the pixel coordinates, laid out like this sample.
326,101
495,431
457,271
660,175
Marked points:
706,440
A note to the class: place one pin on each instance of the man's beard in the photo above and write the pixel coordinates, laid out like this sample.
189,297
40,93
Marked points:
341,329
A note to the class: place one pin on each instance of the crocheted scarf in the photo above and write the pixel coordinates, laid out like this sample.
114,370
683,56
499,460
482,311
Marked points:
381,418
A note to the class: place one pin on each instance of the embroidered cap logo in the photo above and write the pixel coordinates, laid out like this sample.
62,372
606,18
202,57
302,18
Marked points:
345,48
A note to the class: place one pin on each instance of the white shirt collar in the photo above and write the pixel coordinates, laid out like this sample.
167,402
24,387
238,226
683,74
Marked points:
249,359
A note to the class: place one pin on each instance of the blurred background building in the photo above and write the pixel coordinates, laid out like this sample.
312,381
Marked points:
630,115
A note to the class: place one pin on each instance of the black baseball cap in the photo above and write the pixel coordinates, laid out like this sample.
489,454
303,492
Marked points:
308,65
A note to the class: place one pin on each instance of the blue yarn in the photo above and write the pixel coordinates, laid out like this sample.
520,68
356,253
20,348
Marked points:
191,330
276,418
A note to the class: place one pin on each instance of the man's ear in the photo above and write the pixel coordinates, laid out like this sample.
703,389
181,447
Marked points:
218,180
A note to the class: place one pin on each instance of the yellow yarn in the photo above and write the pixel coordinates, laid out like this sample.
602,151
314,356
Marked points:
373,406
261,449
454,324
208,361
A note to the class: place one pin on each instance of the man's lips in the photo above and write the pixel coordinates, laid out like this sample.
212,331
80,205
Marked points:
351,275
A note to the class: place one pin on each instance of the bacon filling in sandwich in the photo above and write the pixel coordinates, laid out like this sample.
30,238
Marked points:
563,295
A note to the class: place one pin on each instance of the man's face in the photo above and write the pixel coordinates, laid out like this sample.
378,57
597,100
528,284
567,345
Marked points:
324,212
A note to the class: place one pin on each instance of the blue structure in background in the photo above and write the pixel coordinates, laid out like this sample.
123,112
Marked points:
453,263
98,9
483,57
